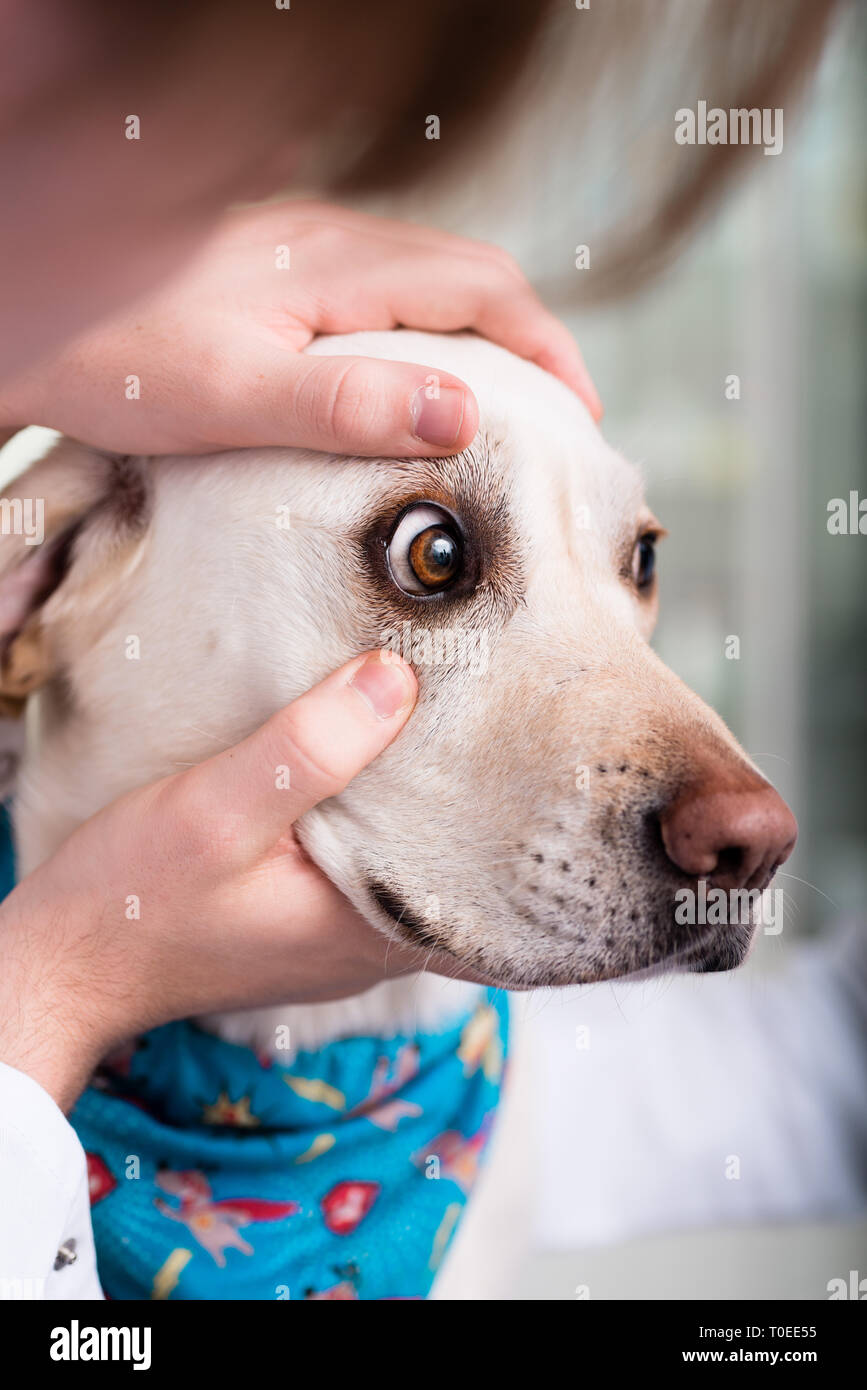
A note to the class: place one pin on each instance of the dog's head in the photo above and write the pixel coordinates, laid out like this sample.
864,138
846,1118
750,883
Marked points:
556,788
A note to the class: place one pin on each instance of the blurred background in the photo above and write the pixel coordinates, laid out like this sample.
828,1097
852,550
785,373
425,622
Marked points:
707,1137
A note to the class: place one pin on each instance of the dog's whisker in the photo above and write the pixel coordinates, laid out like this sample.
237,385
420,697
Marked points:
808,884
388,941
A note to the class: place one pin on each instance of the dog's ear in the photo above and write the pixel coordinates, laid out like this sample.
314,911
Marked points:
71,526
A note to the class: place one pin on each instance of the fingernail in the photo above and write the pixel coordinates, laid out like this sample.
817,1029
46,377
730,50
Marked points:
437,419
383,684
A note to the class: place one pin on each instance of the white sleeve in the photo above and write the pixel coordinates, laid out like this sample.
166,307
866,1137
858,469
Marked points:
46,1239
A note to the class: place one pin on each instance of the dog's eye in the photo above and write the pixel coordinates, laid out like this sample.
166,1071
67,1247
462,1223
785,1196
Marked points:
644,561
426,550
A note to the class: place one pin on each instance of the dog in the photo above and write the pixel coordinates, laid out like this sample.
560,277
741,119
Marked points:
556,786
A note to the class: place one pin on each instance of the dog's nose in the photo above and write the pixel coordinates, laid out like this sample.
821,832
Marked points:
733,836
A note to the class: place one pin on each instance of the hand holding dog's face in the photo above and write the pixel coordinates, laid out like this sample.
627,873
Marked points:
556,786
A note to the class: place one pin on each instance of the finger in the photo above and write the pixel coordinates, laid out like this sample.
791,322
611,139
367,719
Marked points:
306,752
358,405
527,329
487,299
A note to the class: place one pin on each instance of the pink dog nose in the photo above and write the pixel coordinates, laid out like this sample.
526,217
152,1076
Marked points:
735,836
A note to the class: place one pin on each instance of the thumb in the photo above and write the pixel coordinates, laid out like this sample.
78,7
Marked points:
358,405
307,751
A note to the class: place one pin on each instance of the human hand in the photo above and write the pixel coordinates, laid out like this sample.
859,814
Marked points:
218,353
232,913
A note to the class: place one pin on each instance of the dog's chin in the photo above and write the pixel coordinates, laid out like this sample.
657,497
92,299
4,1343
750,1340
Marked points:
712,951
727,949
707,950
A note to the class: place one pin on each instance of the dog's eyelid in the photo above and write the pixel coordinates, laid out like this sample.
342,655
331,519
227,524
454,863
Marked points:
650,529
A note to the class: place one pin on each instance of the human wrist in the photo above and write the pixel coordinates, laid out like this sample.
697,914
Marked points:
46,1030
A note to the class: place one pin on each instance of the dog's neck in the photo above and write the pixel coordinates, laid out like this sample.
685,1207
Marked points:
411,1004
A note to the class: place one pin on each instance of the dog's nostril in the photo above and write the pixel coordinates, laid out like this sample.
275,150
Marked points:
730,861
728,832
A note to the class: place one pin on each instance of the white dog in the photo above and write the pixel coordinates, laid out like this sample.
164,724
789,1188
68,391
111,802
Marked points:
556,784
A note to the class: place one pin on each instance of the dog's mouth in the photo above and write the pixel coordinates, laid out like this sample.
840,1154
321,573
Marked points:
413,931
418,934
707,950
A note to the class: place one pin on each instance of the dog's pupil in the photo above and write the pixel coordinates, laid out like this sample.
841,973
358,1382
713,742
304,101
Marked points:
434,556
646,560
